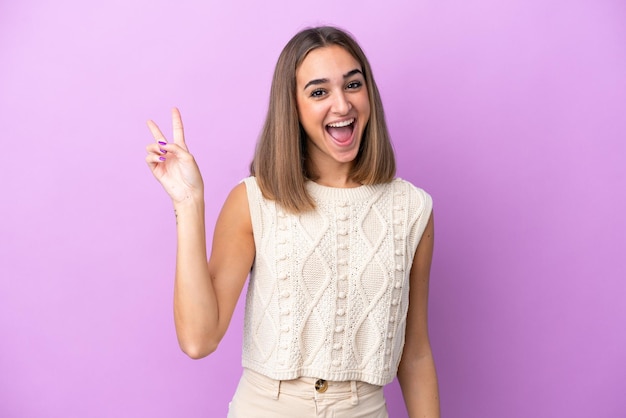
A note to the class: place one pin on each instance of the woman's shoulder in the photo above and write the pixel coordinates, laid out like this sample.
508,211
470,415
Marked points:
249,181
255,198
417,202
251,186
403,185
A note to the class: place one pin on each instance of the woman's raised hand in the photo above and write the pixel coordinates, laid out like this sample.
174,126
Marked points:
172,164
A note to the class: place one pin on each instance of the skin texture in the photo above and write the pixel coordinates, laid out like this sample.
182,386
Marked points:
206,291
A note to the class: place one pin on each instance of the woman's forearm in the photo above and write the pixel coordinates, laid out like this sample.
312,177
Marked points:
418,380
195,302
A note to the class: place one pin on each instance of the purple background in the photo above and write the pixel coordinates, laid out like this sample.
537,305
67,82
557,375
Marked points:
512,114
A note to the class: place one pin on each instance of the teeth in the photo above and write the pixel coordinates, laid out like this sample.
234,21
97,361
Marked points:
341,124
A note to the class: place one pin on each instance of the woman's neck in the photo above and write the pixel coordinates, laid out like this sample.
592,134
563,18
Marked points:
337,176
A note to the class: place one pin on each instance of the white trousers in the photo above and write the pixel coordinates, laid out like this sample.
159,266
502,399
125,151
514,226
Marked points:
258,396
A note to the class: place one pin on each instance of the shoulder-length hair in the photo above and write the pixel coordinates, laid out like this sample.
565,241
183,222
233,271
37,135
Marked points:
279,162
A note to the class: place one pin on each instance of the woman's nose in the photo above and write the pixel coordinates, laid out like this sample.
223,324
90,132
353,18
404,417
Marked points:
341,104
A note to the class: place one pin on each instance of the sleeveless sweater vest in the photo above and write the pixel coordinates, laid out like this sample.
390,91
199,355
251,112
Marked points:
329,290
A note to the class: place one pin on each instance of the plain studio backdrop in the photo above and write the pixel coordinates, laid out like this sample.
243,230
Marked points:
511,114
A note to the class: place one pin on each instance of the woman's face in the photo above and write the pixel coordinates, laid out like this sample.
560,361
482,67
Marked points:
333,105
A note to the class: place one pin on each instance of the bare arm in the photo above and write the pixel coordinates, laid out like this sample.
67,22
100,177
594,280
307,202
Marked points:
416,374
205,292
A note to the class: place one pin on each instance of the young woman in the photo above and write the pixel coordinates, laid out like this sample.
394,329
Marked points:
338,250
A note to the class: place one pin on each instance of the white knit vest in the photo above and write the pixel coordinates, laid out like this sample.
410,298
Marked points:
329,290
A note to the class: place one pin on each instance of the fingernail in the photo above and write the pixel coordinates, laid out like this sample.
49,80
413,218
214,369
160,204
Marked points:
162,143
163,151
162,158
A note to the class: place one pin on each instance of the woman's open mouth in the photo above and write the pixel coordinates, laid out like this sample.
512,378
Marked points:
341,131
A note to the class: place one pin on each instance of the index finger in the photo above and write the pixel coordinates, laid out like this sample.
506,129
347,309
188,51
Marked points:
156,132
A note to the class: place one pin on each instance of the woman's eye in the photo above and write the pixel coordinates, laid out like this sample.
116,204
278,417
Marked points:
317,93
354,85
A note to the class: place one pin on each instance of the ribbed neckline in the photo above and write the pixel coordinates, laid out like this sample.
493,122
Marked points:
341,193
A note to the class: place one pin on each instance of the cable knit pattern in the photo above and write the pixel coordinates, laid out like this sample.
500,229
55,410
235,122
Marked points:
329,290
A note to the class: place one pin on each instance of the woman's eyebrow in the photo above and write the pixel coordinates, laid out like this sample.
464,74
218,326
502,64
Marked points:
325,80
353,72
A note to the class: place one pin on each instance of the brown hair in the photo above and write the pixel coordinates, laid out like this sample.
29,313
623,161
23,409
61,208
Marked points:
279,160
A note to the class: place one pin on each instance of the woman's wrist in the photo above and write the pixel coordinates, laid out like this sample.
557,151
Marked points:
190,204
189,199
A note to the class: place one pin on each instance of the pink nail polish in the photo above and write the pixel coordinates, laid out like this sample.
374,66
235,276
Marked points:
163,151
162,143
162,158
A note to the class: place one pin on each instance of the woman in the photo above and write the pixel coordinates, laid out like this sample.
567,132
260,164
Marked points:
338,251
